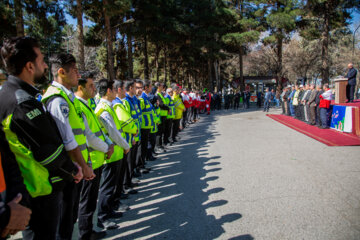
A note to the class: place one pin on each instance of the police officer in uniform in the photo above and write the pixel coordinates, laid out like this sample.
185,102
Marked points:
110,176
100,147
65,109
34,137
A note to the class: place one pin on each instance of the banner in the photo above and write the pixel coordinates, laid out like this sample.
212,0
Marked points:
341,118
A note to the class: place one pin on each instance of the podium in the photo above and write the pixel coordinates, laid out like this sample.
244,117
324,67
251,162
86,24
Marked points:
340,90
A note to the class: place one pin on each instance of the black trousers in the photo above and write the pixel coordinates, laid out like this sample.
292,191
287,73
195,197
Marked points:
168,125
129,171
161,132
175,128
151,146
142,152
134,154
236,104
69,209
350,90
110,179
122,180
87,205
184,119
44,218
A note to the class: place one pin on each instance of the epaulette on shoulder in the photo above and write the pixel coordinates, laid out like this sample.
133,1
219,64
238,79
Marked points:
22,96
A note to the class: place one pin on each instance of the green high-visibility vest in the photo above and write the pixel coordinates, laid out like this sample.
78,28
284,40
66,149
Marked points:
97,157
35,175
133,112
127,123
163,113
75,118
118,151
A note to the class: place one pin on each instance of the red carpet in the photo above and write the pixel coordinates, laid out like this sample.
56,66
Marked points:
327,136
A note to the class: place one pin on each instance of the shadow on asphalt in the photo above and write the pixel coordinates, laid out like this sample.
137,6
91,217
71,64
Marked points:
173,199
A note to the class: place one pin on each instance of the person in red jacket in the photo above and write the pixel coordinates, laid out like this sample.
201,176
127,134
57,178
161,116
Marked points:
325,100
187,103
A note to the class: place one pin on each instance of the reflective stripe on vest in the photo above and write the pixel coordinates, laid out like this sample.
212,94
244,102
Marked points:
147,114
171,115
75,118
118,151
35,175
97,157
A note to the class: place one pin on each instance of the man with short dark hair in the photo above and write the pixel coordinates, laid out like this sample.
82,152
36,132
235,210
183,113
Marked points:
129,129
147,122
100,148
65,108
164,110
110,175
33,137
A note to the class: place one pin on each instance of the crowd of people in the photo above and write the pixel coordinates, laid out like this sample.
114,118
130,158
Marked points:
80,146
308,103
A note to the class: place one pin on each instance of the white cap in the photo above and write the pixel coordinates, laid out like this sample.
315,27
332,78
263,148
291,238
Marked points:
301,85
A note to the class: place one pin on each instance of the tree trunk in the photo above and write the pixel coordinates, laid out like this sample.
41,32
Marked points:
241,66
279,61
165,71
325,46
19,18
210,75
109,43
130,56
146,59
157,52
79,15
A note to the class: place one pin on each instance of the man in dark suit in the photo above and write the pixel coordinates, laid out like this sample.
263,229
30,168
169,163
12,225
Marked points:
350,88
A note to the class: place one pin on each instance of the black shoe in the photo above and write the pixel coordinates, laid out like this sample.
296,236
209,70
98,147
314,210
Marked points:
115,215
108,225
144,170
130,191
174,140
122,207
124,196
324,127
152,158
136,174
97,235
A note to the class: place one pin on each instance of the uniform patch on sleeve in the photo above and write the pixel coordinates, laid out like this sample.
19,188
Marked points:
64,108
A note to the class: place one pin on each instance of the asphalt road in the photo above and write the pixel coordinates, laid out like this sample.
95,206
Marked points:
241,175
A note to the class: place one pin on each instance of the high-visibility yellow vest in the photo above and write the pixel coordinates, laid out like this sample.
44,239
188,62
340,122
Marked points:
127,123
134,114
97,157
75,118
171,105
179,106
35,175
118,151
163,113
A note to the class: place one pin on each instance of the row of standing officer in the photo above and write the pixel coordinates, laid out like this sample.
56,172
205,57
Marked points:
63,147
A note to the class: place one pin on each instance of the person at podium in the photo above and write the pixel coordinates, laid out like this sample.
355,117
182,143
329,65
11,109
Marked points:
350,88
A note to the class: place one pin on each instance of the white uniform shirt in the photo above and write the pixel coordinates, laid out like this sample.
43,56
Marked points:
110,126
59,109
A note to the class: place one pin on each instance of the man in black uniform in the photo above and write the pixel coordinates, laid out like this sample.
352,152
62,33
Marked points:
33,136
